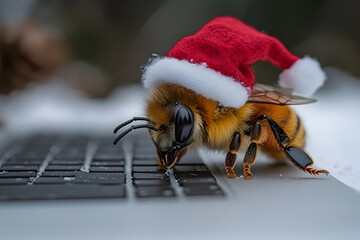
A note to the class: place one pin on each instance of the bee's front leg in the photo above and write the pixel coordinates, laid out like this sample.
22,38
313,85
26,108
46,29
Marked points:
158,160
230,159
161,165
179,156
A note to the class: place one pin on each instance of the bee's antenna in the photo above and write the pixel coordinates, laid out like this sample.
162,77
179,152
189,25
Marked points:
117,139
130,121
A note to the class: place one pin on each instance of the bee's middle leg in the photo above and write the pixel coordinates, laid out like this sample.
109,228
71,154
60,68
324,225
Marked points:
251,152
230,159
249,159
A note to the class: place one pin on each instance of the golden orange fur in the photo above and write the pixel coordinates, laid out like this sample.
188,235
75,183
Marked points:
215,125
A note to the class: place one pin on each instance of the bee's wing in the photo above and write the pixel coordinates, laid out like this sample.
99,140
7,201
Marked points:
281,96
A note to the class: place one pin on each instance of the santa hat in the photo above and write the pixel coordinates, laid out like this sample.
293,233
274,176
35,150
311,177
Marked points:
215,62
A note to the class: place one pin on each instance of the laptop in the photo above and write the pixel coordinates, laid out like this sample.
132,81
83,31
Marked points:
77,186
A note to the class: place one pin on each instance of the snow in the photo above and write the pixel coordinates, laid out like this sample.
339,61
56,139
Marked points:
55,106
330,123
332,128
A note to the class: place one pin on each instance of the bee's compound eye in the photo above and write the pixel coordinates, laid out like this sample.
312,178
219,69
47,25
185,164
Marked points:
184,122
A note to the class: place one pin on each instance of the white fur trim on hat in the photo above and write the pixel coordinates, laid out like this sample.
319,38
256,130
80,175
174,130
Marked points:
197,77
305,76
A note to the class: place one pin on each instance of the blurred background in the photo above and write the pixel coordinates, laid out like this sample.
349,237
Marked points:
95,46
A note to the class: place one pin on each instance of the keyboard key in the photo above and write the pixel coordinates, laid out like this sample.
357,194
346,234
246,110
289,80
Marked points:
190,158
202,190
67,162
106,169
145,162
19,168
142,155
146,192
109,147
109,157
61,191
194,177
75,153
68,156
193,174
58,174
147,169
54,180
17,174
151,182
150,175
191,168
24,161
63,167
120,163
13,181
100,178
31,154
196,180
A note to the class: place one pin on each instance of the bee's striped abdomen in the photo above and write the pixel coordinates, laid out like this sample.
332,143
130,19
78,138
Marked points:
297,138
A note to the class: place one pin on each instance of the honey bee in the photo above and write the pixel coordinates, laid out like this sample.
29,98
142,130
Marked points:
179,119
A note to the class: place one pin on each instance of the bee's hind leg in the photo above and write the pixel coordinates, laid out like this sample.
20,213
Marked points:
230,159
302,160
296,155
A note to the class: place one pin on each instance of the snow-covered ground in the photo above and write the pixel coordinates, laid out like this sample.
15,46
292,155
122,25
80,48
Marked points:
331,123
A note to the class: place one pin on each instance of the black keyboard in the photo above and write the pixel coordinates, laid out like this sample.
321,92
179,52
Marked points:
64,167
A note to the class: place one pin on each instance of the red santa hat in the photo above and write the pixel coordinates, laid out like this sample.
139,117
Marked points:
215,62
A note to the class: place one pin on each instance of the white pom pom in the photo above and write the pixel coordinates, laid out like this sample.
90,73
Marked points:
305,76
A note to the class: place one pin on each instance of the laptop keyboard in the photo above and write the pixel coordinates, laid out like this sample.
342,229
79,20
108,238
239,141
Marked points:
53,167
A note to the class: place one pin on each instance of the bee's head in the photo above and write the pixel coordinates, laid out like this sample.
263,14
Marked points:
171,135
177,135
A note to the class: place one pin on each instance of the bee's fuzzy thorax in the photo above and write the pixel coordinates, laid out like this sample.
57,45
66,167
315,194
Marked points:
223,122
